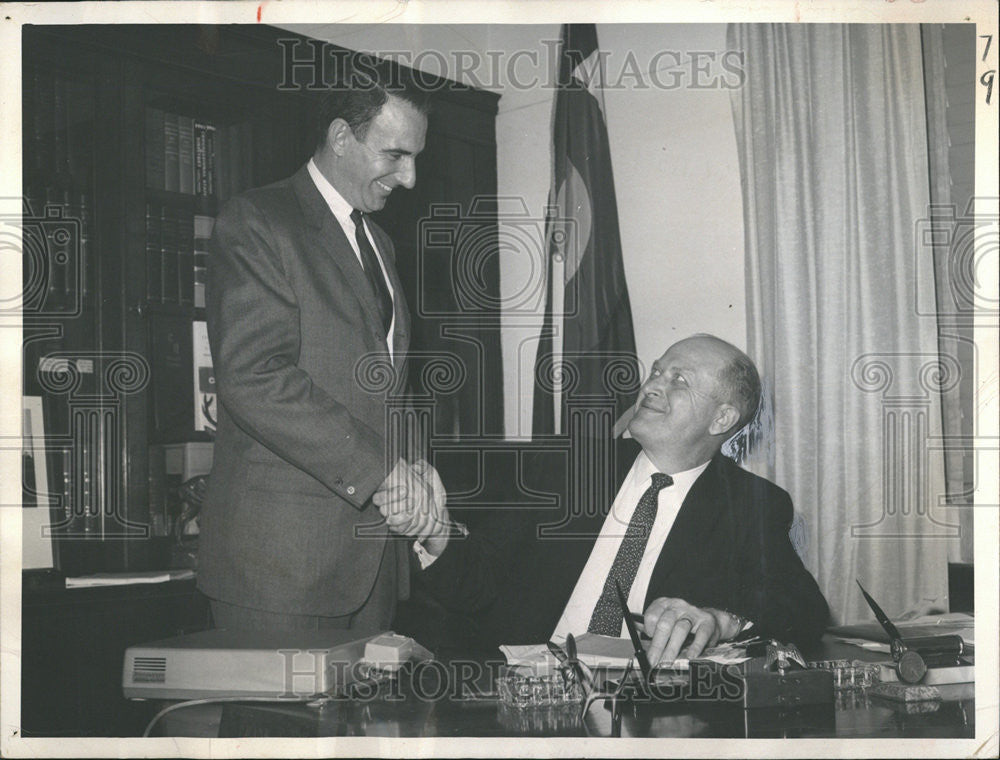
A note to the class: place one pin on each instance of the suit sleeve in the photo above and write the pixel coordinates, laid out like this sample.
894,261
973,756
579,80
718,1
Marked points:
254,332
471,572
785,602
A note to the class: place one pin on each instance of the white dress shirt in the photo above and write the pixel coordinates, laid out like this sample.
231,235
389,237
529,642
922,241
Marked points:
580,608
341,209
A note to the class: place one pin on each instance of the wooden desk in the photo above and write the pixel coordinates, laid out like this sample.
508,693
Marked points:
73,646
431,704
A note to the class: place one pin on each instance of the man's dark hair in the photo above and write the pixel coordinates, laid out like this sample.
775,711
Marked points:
362,85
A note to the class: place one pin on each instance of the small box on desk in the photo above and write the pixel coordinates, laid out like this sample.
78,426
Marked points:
754,686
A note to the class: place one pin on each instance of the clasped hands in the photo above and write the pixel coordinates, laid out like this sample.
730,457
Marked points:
412,499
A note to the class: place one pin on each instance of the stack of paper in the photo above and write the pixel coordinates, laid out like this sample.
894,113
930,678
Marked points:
872,636
597,651
127,579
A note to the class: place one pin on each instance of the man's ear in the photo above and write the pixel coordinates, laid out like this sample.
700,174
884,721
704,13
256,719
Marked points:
337,135
726,417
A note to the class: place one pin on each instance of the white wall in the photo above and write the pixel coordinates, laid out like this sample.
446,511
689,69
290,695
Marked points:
677,184
676,176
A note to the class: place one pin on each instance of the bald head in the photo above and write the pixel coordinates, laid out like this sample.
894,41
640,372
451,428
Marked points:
739,381
700,392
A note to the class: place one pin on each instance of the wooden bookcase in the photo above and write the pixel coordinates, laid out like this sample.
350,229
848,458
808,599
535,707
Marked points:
115,359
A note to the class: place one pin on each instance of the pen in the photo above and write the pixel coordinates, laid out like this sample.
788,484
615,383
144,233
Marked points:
639,619
640,653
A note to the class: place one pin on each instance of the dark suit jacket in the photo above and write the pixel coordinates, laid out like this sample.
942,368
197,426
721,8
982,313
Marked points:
301,438
728,549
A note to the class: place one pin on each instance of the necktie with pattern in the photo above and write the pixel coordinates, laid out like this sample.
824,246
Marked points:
373,270
607,617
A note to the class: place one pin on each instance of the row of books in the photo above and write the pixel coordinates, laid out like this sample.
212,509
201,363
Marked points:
56,235
58,132
195,157
176,254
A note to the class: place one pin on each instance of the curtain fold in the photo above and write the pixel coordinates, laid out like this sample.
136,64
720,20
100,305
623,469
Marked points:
953,321
832,136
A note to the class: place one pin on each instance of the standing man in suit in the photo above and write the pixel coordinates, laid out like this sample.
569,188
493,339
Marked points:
302,291
698,544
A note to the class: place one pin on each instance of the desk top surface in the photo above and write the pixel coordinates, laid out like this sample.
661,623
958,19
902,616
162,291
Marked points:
454,697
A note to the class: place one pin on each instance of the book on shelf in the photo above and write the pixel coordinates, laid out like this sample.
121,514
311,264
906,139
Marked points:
181,155
209,169
155,149
222,150
185,256
58,159
171,152
154,272
185,154
176,254
203,379
204,165
199,159
170,272
83,206
202,235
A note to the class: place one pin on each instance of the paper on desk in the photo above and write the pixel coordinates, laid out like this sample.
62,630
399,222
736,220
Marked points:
872,636
597,651
871,646
127,579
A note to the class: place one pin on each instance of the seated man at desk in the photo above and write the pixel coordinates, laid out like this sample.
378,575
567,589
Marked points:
698,544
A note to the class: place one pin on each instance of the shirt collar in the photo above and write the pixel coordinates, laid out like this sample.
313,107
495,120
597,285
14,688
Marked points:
340,207
644,468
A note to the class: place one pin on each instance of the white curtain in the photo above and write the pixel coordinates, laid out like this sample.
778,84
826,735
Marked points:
831,128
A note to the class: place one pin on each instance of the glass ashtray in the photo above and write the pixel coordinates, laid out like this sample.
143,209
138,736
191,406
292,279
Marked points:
850,674
523,688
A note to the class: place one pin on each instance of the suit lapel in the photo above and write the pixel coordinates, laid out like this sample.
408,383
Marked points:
699,514
331,239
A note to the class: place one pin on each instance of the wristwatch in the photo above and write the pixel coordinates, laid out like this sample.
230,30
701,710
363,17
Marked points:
737,622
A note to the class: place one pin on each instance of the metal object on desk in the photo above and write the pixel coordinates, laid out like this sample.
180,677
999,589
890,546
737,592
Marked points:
777,678
781,679
913,656
781,657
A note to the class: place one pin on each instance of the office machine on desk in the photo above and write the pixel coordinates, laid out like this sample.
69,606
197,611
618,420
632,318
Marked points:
279,665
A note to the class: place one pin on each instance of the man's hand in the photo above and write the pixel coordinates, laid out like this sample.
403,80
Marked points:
413,501
669,622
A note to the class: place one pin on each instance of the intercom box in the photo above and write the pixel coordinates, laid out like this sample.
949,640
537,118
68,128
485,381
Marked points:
223,663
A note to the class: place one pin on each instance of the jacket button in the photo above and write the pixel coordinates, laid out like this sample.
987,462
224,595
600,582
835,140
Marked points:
350,490
339,482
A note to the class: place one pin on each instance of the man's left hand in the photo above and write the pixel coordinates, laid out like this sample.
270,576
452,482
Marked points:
669,622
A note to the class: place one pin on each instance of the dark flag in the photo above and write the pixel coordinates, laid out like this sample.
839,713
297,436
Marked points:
586,355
